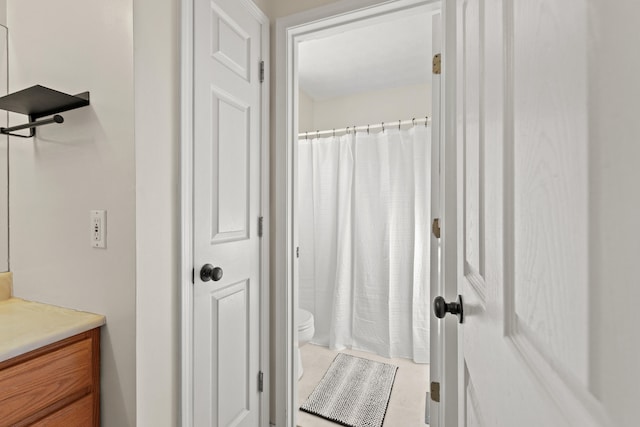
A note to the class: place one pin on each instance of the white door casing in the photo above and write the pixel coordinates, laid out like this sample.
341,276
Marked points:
445,372
525,231
289,31
229,173
436,288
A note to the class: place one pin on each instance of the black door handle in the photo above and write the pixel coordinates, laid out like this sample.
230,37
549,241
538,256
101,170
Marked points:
209,272
441,308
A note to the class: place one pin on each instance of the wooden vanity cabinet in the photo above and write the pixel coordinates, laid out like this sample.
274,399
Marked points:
55,385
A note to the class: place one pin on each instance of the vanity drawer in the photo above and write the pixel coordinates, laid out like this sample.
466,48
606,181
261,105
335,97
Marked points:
51,381
78,414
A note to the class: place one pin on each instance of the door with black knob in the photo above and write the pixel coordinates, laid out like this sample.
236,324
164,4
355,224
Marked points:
229,36
526,214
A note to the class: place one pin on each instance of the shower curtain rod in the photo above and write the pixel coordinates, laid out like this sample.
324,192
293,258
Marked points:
368,128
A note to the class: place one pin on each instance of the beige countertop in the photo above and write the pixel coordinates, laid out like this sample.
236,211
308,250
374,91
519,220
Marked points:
27,325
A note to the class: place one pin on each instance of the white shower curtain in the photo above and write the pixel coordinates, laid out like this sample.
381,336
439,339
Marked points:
364,214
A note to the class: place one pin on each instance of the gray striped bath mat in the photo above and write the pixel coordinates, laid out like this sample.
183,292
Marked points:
354,392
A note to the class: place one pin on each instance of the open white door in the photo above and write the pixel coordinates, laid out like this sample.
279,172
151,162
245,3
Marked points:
228,132
529,217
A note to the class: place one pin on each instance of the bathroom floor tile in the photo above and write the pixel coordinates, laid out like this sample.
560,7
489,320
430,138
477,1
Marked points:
406,406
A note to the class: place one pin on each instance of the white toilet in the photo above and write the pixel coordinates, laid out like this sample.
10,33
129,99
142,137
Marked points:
305,333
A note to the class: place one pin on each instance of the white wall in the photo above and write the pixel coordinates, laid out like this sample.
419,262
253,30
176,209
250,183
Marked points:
305,112
3,12
68,169
387,105
157,111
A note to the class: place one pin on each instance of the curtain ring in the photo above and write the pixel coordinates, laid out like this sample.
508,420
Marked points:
306,135
426,119
347,130
413,121
382,126
334,132
317,134
399,122
367,129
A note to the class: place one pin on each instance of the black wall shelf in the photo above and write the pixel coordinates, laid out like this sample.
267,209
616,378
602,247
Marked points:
39,101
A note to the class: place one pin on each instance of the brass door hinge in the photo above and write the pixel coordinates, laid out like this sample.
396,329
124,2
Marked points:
435,227
435,391
260,381
436,64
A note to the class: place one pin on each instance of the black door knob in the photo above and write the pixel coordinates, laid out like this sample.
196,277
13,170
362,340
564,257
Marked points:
209,272
441,308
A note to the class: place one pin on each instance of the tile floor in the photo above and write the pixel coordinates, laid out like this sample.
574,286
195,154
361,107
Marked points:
406,406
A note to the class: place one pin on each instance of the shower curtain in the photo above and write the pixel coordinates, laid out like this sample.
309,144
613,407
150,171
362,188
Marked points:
364,215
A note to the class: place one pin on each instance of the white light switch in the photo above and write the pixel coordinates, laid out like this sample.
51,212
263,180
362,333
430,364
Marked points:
98,229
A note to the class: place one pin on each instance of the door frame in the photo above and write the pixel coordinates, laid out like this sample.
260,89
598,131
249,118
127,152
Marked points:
289,31
187,267
451,411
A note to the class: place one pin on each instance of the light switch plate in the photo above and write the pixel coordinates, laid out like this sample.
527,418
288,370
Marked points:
98,228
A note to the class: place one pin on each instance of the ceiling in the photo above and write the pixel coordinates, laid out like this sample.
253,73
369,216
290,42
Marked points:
386,54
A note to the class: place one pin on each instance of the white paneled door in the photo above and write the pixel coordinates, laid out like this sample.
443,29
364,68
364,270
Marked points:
524,239
227,206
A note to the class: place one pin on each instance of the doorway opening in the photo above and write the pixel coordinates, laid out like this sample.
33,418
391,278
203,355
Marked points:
358,172
362,205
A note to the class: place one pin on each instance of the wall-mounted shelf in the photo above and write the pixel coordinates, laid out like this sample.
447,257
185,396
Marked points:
39,101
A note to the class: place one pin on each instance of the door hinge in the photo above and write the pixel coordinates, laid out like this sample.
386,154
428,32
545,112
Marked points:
260,381
261,71
435,391
260,226
297,251
435,227
436,64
